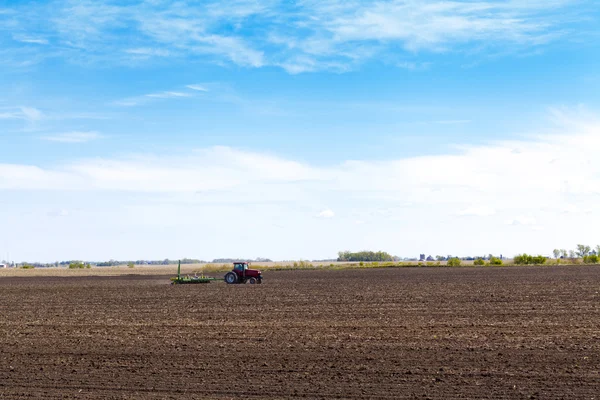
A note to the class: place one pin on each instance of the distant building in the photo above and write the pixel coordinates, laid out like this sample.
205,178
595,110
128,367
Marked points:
3,265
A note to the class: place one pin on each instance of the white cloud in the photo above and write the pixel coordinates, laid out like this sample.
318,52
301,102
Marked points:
148,52
522,220
326,214
574,209
130,102
217,168
311,36
553,165
339,30
32,40
433,24
168,95
549,185
140,100
29,116
25,113
59,213
413,66
233,48
32,114
199,88
477,211
73,137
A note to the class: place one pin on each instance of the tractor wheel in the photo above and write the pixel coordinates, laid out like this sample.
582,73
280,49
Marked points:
252,281
231,277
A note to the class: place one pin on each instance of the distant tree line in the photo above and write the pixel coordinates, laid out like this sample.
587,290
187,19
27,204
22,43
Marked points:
79,265
582,251
526,259
232,260
490,261
349,256
130,263
429,258
166,261
111,263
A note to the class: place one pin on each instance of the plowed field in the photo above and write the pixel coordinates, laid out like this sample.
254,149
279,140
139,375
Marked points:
439,333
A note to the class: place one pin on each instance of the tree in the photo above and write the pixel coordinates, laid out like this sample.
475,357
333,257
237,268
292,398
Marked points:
556,253
526,259
479,261
454,262
79,264
495,261
563,253
583,250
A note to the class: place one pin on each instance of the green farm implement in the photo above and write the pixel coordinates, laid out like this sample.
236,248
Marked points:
180,280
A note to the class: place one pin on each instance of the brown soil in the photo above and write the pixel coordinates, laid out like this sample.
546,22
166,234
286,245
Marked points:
443,333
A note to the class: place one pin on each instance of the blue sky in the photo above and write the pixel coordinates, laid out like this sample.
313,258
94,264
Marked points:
152,129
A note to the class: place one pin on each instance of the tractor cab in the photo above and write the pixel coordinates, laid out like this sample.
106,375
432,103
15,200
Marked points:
240,266
242,274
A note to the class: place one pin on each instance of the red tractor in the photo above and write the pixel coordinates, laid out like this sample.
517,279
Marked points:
241,274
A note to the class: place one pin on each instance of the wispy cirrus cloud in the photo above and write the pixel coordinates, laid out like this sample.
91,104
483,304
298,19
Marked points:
168,95
73,137
414,66
30,114
199,88
436,24
143,99
30,39
190,90
309,35
148,52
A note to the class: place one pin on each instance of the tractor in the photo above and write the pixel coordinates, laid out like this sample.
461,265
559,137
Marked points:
242,274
